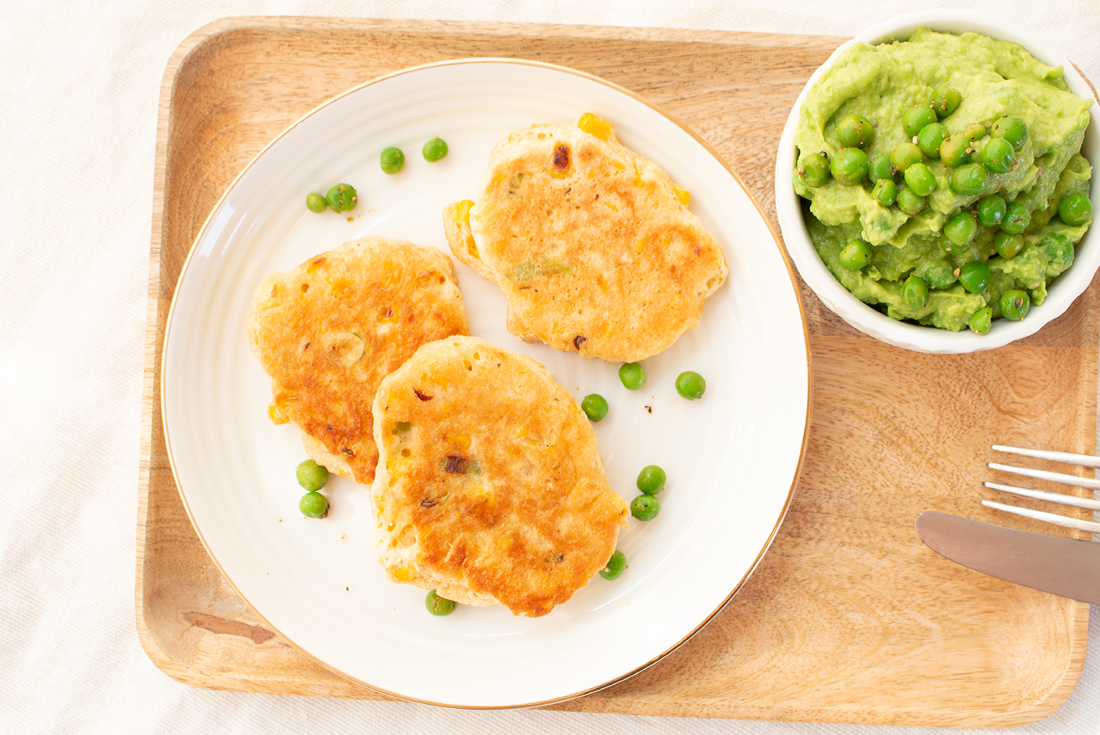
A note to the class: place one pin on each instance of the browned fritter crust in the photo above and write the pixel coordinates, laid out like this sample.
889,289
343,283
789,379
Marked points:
328,331
490,487
590,243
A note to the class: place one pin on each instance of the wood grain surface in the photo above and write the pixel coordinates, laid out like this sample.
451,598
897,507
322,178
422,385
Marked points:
848,618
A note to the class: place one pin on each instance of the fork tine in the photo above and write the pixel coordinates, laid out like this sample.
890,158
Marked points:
1060,498
1045,475
1048,517
1082,460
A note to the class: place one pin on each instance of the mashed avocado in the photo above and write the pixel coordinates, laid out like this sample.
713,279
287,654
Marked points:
990,85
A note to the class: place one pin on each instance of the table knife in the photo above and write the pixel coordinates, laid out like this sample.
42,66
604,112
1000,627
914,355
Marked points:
1062,566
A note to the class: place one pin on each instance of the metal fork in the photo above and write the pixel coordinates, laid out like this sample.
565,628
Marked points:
1080,460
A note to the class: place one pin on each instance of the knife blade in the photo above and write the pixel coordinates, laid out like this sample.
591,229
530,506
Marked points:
1061,566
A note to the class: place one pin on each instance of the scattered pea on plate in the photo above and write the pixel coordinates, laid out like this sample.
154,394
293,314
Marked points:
342,198
645,507
615,566
691,385
651,480
311,475
392,160
434,150
437,605
594,406
632,375
313,505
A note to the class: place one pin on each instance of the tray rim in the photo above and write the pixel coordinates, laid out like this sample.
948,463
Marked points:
158,307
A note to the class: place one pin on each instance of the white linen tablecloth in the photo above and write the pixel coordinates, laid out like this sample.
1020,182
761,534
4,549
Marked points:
79,88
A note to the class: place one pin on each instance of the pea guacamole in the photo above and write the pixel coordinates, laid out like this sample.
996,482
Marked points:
942,177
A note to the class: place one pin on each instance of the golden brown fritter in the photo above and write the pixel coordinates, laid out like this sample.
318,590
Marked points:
490,488
593,246
328,331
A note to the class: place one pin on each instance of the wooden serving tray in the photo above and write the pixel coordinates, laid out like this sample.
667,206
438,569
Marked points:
848,618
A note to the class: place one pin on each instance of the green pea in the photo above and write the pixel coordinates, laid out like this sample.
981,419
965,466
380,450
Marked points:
974,132
975,276
915,292
313,505
1014,304
981,321
645,507
1012,129
690,385
814,171
651,480
885,192
849,166
437,605
969,179
316,203
909,202
991,210
955,151
961,228
434,150
632,375
1008,244
855,131
945,100
614,567
1075,209
311,475
997,156
392,160
880,168
920,180
905,155
1017,218
856,254
594,406
342,198
930,138
917,118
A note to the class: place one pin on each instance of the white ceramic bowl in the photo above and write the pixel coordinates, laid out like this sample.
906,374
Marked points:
1061,292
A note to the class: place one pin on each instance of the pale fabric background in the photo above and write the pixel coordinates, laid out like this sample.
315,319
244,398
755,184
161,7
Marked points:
79,86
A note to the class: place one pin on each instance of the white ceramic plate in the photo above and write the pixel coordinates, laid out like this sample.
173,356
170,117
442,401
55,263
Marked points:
732,457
